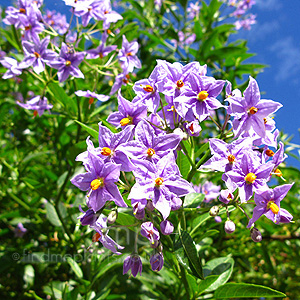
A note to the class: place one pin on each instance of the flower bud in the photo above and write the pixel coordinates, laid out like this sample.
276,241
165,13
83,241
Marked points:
218,219
255,235
112,217
157,262
182,134
166,227
229,227
214,211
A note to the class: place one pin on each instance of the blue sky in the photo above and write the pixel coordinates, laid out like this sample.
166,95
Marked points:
275,38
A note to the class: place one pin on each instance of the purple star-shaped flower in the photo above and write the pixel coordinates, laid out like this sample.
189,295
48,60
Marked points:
248,177
128,113
109,16
148,146
127,56
99,181
149,232
92,96
159,183
101,51
87,10
197,101
67,63
133,263
250,111
268,204
38,104
36,55
12,66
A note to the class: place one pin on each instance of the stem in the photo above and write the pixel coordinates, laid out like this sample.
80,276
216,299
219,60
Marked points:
219,126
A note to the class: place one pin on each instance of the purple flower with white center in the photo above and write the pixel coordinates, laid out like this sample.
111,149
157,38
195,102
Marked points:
193,10
67,63
38,104
250,111
210,190
128,113
166,227
225,156
245,23
36,55
226,196
199,99
32,26
12,66
87,10
121,79
99,181
146,90
159,183
148,146
127,56
101,51
249,177
174,77
88,217
92,96
133,263
268,204
149,232
109,16
101,235
157,261
20,230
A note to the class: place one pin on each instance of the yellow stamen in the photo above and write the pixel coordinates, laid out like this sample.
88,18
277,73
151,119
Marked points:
36,55
68,63
91,101
22,10
269,152
274,208
148,88
180,83
159,181
96,183
106,151
253,110
250,178
231,158
202,95
126,121
101,55
35,113
278,173
96,237
150,152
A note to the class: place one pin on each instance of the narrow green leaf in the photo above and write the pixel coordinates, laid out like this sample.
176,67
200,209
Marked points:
75,267
191,252
52,214
94,133
246,290
206,283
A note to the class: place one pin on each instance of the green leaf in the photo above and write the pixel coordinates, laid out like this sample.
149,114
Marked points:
206,283
75,267
29,275
52,214
222,266
191,252
94,133
193,200
246,290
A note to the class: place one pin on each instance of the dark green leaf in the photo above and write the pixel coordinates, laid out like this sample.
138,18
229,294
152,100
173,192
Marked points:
94,133
193,200
52,214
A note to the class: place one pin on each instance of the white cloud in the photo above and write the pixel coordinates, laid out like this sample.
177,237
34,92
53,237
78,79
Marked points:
269,4
288,63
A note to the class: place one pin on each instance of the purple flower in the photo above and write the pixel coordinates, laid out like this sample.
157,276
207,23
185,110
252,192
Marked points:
67,63
121,79
229,227
87,10
133,263
127,56
99,181
101,51
226,156
148,146
197,101
88,217
193,128
109,16
166,227
20,230
248,177
149,232
245,23
13,67
157,261
268,204
250,111
128,113
38,104
92,96
226,196
159,183
210,190
101,228
193,10
56,20
36,55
